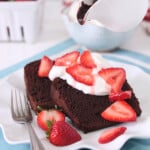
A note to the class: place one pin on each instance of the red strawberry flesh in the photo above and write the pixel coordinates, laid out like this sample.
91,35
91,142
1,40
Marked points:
119,111
63,134
120,96
81,74
45,66
51,115
115,77
67,59
87,60
111,134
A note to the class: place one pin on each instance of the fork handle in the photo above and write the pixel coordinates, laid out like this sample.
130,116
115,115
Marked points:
34,140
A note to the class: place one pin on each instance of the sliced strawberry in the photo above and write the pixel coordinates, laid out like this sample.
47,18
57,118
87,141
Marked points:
120,96
109,135
87,60
81,74
63,134
115,77
49,116
45,66
119,111
67,59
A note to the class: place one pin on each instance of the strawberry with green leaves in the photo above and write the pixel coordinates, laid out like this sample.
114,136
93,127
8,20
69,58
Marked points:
46,118
57,130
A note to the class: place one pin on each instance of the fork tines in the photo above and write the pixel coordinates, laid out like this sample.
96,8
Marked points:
19,106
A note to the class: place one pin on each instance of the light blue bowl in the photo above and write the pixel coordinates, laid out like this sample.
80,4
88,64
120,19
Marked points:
94,37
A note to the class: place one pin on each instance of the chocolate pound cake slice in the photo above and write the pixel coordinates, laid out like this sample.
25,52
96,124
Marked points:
81,85
84,109
37,88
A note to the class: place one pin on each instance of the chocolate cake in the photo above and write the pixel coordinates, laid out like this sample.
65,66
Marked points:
83,109
37,88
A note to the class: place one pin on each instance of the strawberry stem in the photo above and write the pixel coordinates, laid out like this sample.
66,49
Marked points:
49,124
39,108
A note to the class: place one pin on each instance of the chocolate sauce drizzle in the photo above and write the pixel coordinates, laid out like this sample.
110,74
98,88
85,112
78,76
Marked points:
82,11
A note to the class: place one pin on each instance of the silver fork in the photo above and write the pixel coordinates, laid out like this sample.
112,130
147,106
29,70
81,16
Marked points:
21,113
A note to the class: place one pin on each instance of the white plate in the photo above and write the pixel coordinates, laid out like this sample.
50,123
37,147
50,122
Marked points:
16,133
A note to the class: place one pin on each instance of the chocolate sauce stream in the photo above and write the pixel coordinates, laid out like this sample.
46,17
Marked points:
82,11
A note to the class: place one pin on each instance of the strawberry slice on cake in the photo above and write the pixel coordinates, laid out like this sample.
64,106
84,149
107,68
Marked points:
119,111
114,76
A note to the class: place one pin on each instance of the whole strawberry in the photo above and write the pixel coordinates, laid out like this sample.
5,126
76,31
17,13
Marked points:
63,134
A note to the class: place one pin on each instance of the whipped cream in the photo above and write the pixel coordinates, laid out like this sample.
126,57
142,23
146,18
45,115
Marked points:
100,87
